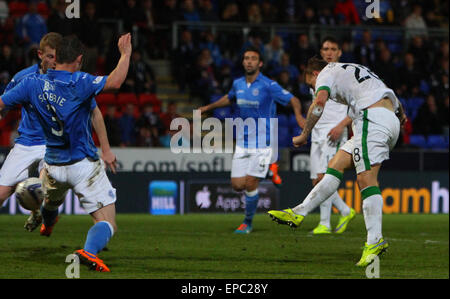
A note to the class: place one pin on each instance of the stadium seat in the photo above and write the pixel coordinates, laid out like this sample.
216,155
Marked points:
126,98
418,140
151,98
106,99
437,142
17,9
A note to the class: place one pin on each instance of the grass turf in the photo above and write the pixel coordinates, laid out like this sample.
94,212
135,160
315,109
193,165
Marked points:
203,246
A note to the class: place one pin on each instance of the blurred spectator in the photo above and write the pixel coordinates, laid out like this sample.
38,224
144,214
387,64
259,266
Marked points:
207,12
140,78
224,77
444,115
184,59
112,125
254,39
421,54
254,14
269,12
58,22
132,14
209,42
148,38
415,22
285,65
347,52
346,13
4,11
428,120
309,17
90,35
365,52
409,77
32,26
168,14
8,61
189,11
128,126
385,68
326,17
4,80
302,51
231,13
204,83
273,52
170,114
149,127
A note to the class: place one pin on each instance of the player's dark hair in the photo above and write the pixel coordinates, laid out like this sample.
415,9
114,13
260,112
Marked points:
69,49
315,63
253,49
331,40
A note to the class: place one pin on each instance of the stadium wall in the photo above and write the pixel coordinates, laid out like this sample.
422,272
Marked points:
209,192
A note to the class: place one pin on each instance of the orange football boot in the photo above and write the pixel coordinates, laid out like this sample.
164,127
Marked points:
47,231
273,170
92,261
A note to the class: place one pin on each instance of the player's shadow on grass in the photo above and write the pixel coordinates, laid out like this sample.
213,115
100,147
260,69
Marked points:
33,254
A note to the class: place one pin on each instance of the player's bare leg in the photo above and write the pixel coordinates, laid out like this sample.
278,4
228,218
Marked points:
328,185
5,193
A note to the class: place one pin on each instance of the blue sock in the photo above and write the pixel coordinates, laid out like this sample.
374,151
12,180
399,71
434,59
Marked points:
97,238
251,203
48,216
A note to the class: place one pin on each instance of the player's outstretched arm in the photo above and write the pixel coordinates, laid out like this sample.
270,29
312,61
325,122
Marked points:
222,102
119,74
314,114
99,126
297,107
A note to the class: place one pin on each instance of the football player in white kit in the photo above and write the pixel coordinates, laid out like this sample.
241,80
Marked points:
329,133
377,115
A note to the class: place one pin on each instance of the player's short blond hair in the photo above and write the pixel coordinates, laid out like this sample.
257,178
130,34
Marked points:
51,40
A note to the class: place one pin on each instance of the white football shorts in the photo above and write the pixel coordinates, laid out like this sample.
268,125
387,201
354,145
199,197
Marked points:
88,180
251,162
376,131
19,163
321,153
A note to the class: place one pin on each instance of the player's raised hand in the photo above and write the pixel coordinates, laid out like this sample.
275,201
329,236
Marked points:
300,140
124,44
110,160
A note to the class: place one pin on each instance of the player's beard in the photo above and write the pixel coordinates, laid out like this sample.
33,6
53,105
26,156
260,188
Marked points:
251,72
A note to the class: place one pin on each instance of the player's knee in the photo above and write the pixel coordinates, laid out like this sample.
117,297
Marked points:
238,186
5,192
365,181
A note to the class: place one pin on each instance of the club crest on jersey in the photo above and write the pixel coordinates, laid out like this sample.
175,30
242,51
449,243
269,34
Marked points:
255,92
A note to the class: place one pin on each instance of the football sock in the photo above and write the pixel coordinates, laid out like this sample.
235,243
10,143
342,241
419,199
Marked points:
325,212
373,213
48,216
339,203
251,204
322,191
98,236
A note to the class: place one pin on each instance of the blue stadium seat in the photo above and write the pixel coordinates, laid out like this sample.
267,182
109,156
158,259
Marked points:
418,140
437,142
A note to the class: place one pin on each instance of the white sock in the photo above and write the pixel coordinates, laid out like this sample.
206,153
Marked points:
373,213
325,213
339,203
321,192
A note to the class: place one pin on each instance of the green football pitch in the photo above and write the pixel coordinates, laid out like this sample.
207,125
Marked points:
200,246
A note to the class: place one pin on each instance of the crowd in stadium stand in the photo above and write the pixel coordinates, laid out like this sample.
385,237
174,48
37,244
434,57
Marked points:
205,64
